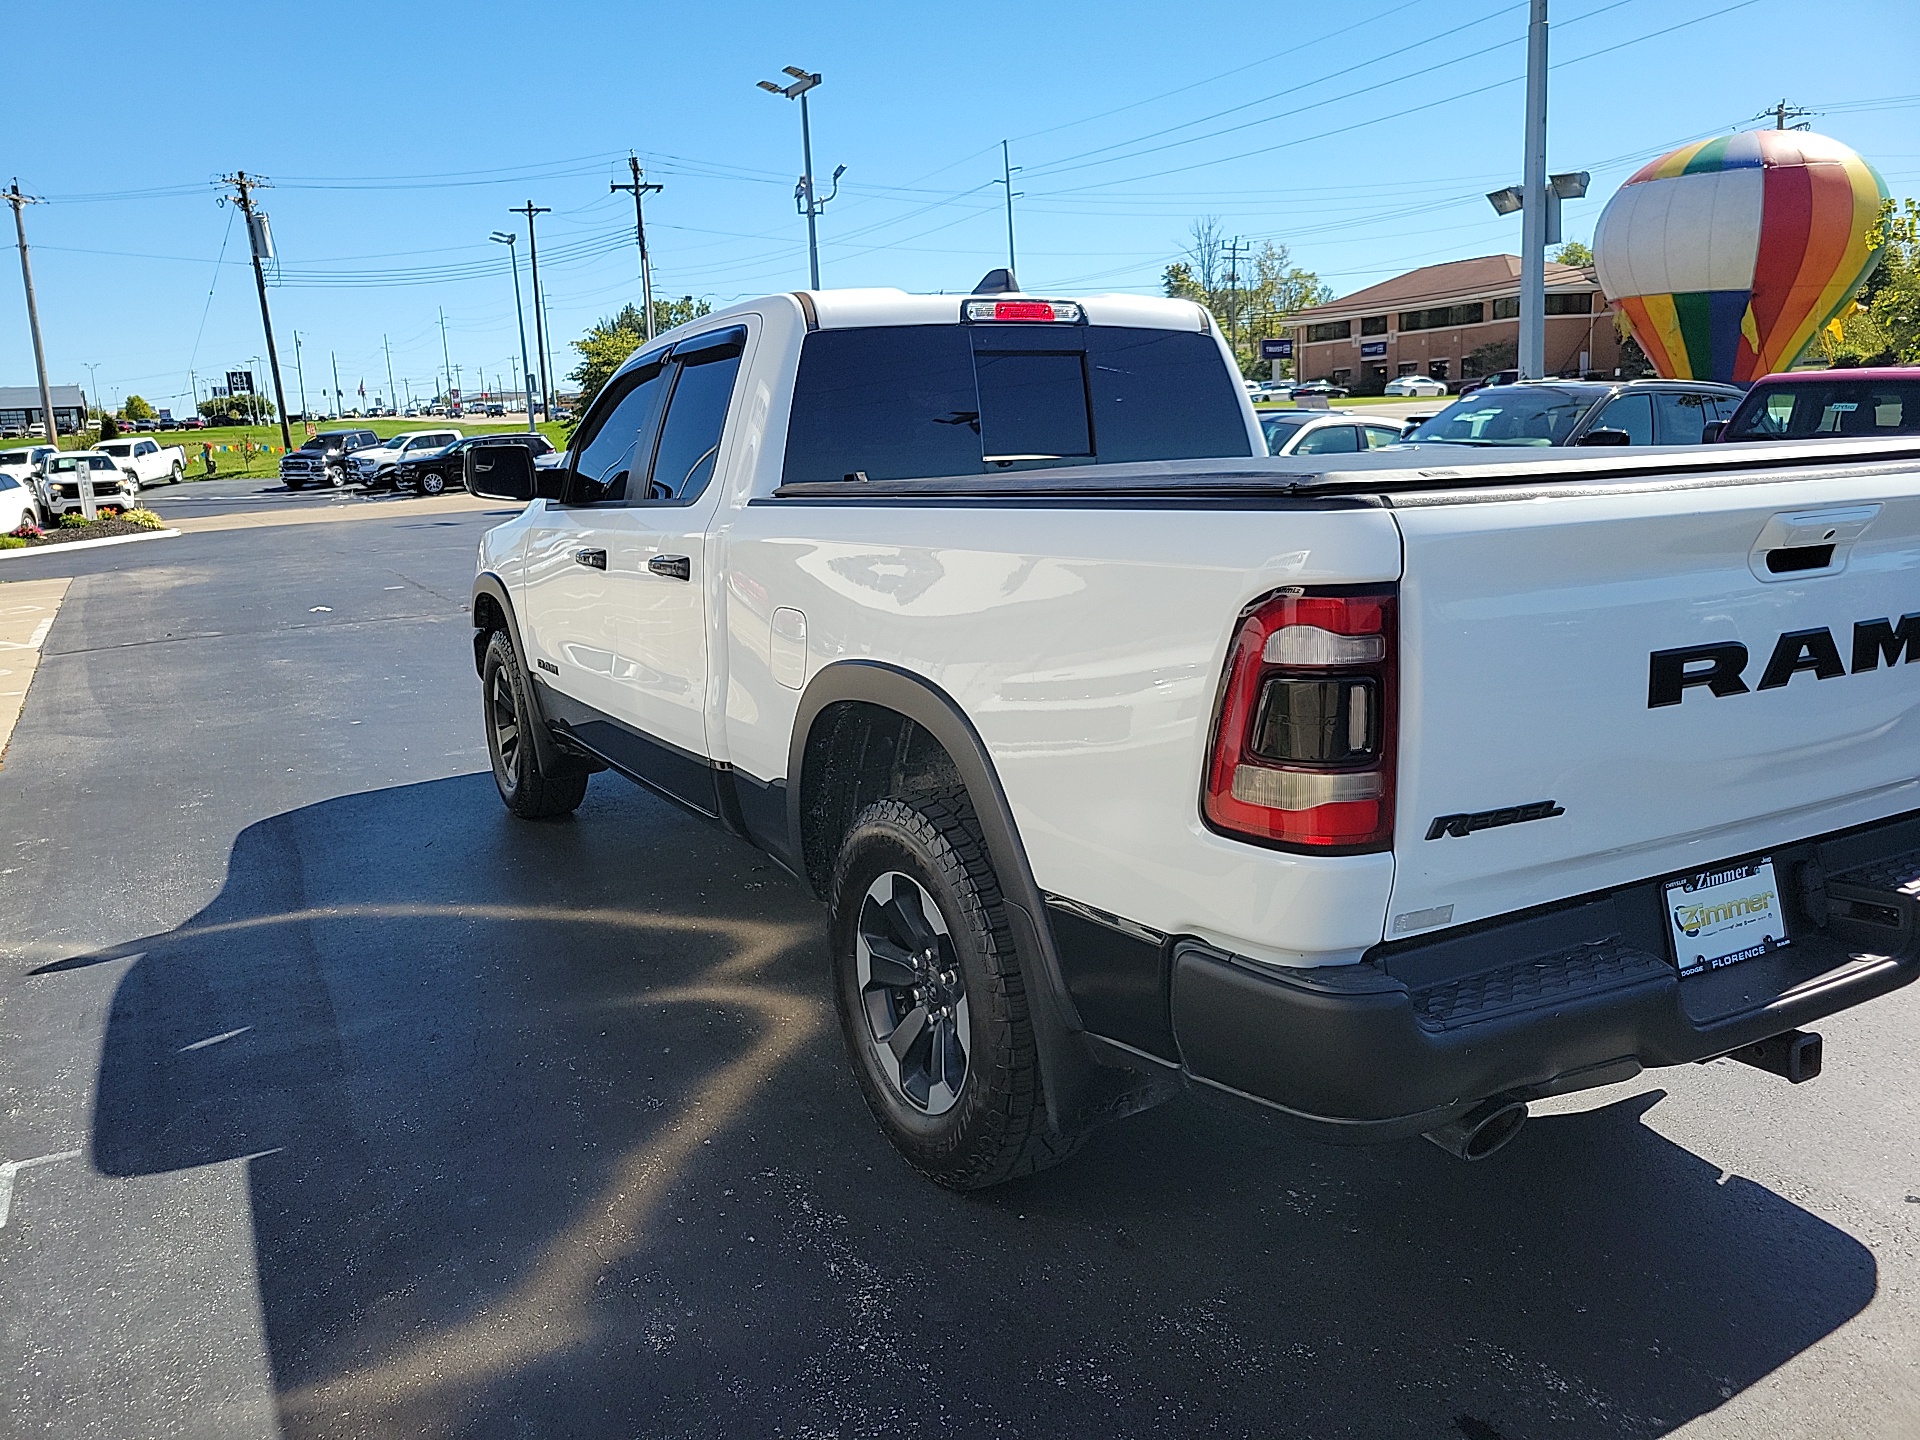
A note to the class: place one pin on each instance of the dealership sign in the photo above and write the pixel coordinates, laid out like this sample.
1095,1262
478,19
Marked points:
1373,349
1276,349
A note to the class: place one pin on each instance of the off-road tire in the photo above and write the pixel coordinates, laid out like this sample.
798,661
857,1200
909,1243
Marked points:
523,789
997,1128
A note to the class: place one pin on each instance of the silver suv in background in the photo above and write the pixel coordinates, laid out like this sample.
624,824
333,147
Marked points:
1583,412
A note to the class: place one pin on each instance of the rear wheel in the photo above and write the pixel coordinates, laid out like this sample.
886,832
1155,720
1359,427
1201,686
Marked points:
516,764
176,475
930,998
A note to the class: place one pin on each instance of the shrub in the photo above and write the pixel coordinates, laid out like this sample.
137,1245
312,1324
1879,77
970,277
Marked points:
144,518
12,542
27,530
74,520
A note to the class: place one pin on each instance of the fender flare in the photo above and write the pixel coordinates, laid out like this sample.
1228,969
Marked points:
1077,1095
553,759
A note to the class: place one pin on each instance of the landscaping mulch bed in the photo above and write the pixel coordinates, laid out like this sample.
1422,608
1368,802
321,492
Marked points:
99,530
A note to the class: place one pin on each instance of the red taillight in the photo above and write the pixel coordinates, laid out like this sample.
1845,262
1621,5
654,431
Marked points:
1059,312
1022,310
1303,745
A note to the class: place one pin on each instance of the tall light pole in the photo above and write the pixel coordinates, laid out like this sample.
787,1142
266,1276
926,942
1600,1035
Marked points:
93,383
540,347
19,203
392,391
508,239
639,188
1533,214
804,196
446,362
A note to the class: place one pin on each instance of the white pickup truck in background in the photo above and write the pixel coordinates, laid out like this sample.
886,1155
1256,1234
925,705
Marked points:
147,461
1388,794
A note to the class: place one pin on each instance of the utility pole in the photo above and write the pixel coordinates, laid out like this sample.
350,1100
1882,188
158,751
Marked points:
336,383
1533,210
1785,116
805,198
1235,250
392,391
301,371
1007,167
19,201
638,188
507,238
260,242
540,350
446,364
193,383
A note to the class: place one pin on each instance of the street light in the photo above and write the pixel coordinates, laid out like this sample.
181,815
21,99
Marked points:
93,383
1569,185
507,238
804,198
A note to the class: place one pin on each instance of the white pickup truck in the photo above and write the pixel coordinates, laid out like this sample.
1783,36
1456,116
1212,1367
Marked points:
1388,799
147,461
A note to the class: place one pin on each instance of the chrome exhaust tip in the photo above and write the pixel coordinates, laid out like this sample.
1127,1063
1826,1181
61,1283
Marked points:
1485,1128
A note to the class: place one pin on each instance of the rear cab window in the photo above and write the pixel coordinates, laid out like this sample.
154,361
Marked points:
902,402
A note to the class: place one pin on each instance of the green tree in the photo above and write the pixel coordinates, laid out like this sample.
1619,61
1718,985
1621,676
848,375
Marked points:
108,430
605,347
1890,297
1250,299
136,409
236,409
1574,253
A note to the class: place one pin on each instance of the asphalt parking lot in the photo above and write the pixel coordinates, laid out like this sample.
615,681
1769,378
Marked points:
335,1102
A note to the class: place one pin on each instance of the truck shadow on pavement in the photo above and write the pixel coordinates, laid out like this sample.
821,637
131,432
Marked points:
548,1132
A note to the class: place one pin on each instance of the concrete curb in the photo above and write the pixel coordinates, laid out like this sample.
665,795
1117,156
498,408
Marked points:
84,544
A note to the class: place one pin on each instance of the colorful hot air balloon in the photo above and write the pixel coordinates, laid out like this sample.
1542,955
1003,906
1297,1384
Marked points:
1730,255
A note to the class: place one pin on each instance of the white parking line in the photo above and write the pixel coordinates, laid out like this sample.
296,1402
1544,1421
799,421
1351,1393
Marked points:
13,1167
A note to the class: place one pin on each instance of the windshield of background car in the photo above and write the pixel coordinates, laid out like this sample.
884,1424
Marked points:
898,402
1508,415
1831,407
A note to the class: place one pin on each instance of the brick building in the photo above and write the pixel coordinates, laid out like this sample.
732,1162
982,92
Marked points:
1431,320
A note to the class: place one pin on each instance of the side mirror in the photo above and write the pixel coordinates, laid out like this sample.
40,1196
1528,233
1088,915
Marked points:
1606,437
1712,433
498,472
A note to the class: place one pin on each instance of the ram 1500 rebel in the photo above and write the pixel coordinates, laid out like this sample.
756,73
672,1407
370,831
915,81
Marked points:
1387,794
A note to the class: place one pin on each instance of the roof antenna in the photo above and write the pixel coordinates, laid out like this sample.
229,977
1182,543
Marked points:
997,282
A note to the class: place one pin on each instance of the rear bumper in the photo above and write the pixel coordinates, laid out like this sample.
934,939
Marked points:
1561,999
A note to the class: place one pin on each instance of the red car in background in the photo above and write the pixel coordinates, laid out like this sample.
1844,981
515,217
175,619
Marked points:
1810,404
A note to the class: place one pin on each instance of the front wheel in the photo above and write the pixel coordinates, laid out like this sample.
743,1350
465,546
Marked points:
432,483
930,997
516,764
337,478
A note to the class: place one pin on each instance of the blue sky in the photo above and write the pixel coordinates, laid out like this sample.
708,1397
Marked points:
1363,135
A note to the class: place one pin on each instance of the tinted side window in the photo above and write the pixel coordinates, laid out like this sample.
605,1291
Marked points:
617,438
1681,419
696,420
1633,414
1161,395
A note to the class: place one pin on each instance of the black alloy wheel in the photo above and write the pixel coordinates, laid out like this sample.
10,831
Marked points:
912,992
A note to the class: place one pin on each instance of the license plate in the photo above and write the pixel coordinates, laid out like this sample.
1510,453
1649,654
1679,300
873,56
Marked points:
1725,915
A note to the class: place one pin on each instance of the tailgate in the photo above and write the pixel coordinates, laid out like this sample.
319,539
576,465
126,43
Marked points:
1550,754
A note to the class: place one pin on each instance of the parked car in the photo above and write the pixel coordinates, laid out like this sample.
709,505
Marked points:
19,504
375,466
1421,385
1323,432
1391,800
194,422
70,469
1583,412
1498,377
444,469
1325,388
323,459
147,460
26,462
1812,404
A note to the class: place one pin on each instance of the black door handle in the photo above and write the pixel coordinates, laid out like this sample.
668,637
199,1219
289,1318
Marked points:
675,567
596,558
